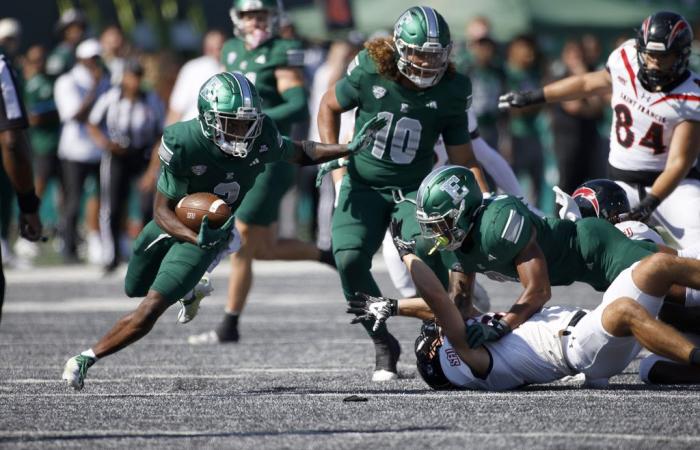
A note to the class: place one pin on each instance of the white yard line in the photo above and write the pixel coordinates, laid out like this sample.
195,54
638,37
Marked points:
124,303
117,434
89,273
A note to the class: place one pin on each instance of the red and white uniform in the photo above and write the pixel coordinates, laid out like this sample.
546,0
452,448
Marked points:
643,124
546,348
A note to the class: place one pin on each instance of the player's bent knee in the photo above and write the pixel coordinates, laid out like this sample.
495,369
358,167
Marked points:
151,308
655,262
619,315
133,288
351,262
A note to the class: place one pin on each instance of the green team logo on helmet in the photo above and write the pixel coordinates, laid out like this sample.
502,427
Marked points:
423,42
229,112
446,202
274,10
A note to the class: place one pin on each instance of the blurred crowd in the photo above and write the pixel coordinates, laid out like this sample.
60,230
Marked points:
98,104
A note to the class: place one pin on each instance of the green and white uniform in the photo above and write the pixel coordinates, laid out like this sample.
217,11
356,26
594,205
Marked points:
402,155
192,163
590,250
258,65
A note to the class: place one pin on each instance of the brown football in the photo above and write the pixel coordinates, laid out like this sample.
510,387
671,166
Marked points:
192,209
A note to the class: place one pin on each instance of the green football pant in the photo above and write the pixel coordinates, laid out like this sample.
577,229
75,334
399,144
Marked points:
164,264
359,223
606,251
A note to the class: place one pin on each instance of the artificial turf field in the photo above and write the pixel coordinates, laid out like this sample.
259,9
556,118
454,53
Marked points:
283,385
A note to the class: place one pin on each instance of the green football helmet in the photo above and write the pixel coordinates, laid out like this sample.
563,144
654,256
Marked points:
422,40
446,203
230,113
274,11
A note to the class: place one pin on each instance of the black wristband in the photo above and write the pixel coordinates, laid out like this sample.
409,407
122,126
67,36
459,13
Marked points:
536,97
393,306
28,202
501,327
651,201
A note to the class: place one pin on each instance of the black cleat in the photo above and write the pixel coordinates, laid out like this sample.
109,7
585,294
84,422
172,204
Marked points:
387,352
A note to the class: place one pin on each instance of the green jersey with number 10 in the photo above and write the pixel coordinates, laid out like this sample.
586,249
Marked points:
402,153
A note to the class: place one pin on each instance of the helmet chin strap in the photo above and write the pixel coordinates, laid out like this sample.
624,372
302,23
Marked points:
237,149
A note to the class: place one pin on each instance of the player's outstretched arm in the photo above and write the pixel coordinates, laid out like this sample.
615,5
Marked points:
683,151
164,216
311,152
571,88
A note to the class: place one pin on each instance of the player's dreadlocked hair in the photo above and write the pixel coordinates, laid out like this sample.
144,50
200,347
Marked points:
384,55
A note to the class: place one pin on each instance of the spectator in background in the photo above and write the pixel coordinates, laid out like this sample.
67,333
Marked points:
114,50
10,35
524,148
70,28
487,79
592,51
192,75
43,118
126,122
75,93
577,144
44,131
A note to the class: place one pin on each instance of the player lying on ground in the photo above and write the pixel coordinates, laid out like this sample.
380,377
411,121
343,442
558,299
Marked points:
220,152
655,134
501,238
553,343
606,199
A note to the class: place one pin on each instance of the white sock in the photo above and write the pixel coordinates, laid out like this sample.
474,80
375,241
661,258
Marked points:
89,353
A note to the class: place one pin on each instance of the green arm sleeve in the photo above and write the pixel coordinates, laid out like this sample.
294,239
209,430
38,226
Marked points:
293,109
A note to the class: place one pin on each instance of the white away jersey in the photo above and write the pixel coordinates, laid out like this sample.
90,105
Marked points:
643,121
531,354
638,231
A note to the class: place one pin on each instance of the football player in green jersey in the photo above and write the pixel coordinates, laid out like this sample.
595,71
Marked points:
503,239
273,65
223,151
409,81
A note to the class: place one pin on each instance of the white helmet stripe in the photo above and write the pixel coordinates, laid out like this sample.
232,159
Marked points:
432,22
428,180
244,87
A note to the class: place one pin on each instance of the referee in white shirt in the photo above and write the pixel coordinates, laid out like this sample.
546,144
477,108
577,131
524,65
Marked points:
126,122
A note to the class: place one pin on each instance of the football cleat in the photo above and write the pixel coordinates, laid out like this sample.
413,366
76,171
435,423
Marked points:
387,352
75,370
190,303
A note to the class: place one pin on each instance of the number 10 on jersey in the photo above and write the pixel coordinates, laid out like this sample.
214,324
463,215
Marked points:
404,140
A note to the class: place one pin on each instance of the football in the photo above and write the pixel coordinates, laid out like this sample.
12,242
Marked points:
192,208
